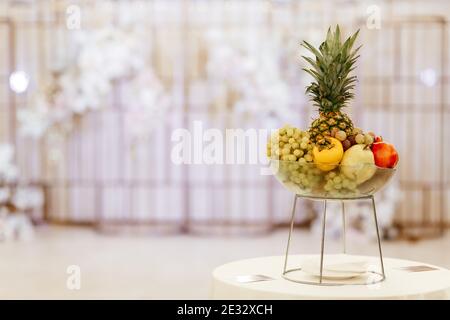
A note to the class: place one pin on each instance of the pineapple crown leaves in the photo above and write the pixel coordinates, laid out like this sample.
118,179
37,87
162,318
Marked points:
333,62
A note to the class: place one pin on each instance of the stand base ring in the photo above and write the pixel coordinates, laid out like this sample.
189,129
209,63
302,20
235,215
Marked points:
379,275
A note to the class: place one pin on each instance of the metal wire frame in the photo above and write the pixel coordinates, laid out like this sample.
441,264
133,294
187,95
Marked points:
287,273
9,25
188,223
410,228
188,220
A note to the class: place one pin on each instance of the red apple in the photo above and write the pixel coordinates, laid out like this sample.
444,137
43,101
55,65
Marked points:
385,155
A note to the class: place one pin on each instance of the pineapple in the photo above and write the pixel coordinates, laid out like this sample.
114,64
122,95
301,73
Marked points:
333,85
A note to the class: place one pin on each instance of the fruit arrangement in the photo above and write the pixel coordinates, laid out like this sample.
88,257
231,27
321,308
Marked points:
332,156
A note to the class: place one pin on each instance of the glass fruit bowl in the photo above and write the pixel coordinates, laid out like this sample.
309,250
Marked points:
342,182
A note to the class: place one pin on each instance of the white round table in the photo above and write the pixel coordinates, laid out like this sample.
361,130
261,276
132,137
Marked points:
399,283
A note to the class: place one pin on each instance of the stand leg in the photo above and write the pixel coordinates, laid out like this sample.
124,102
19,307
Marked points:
323,238
378,236
344,247
290,233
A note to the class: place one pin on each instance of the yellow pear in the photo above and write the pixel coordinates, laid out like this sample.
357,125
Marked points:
358,163
328,159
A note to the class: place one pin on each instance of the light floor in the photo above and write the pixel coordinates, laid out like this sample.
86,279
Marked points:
157,267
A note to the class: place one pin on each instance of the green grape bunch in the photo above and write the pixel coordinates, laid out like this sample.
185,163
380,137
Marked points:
294,148
338,184
290,144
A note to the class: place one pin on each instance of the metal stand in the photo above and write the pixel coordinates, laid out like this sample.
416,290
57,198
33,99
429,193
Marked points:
377,276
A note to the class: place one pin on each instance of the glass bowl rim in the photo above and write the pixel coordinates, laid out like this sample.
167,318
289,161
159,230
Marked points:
338,165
